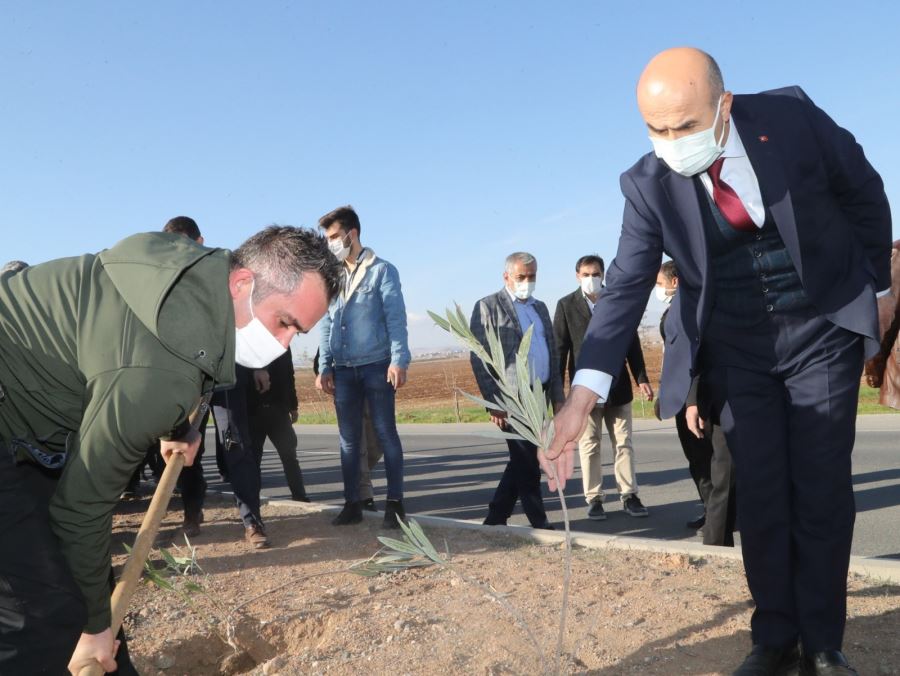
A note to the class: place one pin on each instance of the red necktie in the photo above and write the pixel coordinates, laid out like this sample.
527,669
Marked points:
729,203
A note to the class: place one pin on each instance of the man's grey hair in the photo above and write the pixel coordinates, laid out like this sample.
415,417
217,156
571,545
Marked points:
522,257
714,74
280,255
13,266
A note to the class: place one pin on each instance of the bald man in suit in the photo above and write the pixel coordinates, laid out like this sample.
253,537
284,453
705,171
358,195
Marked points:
781,232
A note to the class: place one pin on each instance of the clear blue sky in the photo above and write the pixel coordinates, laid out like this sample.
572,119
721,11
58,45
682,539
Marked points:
461,131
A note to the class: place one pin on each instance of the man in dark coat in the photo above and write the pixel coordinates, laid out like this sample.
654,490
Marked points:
573,312
781,232
508,314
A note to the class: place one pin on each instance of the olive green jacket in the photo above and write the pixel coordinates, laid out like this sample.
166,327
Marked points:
100,356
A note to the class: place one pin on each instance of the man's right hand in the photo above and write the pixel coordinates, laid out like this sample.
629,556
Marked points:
93,648
188,446
694,422
499,419
568,426
325,382
262,380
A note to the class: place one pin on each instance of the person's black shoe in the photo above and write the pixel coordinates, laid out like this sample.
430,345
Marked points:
827,663
698,523
595,510
191,525
545,526
133,489
302,497
393,510
634,507
493,520
766,661
350,514
369,505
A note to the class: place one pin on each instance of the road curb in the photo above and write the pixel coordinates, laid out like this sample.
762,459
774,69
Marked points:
882,570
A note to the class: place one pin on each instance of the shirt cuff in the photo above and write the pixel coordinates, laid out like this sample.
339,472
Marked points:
883,293
597,382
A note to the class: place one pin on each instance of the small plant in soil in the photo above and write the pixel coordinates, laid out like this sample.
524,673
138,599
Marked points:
178,575
528,413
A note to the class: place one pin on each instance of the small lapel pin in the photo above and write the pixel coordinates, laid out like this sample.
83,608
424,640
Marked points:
763,138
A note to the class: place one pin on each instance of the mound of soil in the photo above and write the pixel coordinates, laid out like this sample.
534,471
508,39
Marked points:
294,608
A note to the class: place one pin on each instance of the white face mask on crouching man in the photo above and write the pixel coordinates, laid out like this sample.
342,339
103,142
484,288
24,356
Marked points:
255,346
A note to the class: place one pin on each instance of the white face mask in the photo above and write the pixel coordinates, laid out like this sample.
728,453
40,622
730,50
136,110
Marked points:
255,346
339,249
591,285
662,296
523,290
691,155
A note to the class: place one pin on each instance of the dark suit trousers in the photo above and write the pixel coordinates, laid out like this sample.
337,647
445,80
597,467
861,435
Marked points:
698,453
192,481
233,445
275,422
721,505
521,480
785,393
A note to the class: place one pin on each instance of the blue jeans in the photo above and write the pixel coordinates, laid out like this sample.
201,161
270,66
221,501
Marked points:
354,386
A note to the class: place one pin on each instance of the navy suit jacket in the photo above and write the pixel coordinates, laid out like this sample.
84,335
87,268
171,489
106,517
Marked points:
827,202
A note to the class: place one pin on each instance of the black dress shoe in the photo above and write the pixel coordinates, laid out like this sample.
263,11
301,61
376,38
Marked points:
698,523
766,661
393,514
826,663
494,519
350,514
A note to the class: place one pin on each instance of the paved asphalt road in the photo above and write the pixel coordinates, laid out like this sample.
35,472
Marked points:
452,470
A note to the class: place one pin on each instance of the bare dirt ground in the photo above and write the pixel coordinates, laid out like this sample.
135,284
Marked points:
432,383
629,613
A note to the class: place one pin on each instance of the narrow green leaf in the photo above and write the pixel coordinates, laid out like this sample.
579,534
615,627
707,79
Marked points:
525,345
398,546
481,402
416,530
162,583
440,321
169,559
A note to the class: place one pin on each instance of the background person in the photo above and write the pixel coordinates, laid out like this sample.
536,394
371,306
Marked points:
697,450
883,370
272,410
703,442
369,450
364,355
509,313
573,312
13,266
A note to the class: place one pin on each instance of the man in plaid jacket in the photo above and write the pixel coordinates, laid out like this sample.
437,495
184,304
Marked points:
509,313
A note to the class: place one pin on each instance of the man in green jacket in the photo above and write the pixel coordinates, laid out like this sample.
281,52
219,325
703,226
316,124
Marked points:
99,356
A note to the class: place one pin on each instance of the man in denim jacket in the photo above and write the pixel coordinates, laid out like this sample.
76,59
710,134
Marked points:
363,357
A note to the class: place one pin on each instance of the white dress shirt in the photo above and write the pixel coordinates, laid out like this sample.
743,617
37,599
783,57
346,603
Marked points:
738,173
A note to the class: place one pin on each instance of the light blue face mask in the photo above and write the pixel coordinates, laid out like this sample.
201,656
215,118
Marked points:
693,154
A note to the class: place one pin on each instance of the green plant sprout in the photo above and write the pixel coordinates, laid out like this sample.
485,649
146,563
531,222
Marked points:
528,413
